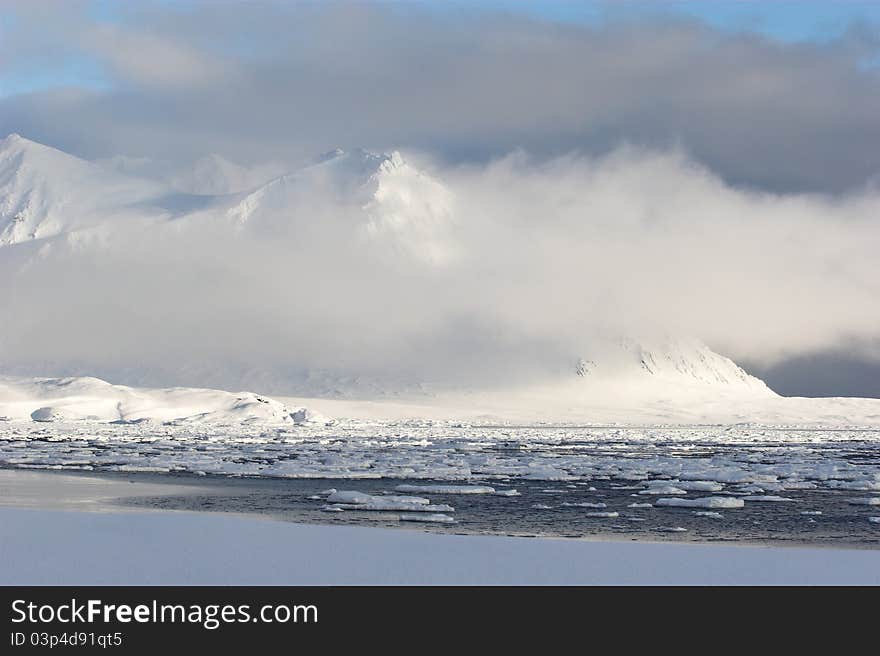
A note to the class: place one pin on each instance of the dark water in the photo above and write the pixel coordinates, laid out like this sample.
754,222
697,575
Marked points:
840,524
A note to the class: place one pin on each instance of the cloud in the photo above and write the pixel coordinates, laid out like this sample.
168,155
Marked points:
149,60
666,177
551,259
260,81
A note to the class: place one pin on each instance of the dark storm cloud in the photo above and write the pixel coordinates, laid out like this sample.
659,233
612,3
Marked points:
835,372
259,81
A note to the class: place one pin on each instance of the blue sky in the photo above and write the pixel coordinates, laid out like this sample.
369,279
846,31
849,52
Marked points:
785,20
803,20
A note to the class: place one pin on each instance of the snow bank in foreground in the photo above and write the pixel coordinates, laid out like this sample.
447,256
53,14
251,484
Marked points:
704,502
73,399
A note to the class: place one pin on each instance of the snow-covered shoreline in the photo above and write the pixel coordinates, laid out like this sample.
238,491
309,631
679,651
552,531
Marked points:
90,399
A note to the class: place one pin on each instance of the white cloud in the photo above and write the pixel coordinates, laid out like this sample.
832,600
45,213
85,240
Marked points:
550,257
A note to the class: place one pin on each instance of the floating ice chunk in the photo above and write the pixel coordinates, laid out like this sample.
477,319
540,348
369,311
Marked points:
306,416
699,486
541,506
874,520
350,500
798,485
585,504
868,501
708,513
751,489
539,472
380,504
506,493
766,497
663,489
861,485
438,518
640,505
315,497
811,512
333,509
447,489
603,514
360,497
635,519
704,502
332,490
672,529
349,497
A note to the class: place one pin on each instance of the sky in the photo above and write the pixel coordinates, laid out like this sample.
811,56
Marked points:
762,107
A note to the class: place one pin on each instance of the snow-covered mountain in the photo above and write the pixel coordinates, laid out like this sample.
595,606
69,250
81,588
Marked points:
93,399
383,205
45,192
662,363
214,175
390,201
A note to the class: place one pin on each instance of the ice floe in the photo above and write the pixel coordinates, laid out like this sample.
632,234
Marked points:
449,489
435,518
665,462
868,501
703,502
663,489
350,500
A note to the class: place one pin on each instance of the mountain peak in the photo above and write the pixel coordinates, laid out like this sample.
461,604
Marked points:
666,362
329,155
45,192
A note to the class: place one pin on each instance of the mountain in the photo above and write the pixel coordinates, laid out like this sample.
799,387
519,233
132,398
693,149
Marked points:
87,398
389,201
250,320
214,175
684,363
45,192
